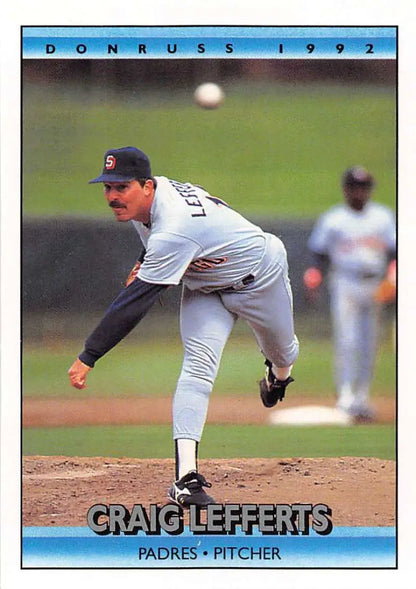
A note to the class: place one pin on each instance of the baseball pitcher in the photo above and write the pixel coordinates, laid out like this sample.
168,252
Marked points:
229,269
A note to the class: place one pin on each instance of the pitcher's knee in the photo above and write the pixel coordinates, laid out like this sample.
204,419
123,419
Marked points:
286,357
200,363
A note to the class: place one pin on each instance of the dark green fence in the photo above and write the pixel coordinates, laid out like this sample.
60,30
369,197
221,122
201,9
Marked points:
80,265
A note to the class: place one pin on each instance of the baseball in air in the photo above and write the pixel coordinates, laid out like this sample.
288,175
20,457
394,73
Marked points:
209,95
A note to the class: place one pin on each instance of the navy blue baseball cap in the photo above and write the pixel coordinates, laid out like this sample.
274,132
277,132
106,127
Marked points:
357,176
124,164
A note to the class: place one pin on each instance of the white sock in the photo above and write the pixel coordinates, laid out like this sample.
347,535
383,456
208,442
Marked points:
362,396
345,398
282,373
186,453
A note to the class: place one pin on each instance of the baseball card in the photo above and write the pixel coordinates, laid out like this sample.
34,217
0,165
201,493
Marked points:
203,341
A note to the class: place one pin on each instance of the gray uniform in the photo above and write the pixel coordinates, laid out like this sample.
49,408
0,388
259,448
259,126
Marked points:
357,244
230,269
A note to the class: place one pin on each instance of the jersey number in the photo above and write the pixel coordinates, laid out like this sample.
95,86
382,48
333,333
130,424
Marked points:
218,201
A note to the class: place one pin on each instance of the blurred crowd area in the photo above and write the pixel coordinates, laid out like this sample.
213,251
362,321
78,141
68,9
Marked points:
128,73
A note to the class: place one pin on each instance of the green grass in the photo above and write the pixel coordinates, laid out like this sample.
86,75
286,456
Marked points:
270,149
219,441
151,367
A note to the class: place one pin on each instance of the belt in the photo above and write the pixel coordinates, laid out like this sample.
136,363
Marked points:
360,275
365,275
369,275
240,284
247,280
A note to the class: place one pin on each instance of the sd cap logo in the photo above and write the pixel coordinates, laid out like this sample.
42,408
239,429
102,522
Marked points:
110,162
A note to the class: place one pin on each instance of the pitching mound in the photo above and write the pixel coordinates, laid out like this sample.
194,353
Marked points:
58,491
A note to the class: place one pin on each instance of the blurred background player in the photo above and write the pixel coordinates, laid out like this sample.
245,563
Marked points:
355,242
229,269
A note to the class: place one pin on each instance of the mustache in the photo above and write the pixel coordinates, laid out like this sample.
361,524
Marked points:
116,204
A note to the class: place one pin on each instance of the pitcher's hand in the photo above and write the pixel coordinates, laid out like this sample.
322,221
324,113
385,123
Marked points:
78,374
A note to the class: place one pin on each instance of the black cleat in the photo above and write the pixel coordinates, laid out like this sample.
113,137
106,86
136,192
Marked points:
188,490
272,390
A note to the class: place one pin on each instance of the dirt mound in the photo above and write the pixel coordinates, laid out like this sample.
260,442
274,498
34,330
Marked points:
58,491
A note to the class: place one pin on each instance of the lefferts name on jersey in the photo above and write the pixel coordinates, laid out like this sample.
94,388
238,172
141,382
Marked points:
188,193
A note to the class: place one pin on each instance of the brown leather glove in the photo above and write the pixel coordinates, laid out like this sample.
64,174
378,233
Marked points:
387,289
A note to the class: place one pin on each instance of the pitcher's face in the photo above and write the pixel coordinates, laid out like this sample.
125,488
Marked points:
129,200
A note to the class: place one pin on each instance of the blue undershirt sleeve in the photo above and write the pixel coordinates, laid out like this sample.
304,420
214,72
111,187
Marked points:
124,313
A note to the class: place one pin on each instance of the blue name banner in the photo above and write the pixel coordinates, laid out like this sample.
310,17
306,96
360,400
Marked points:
80,547
209,42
